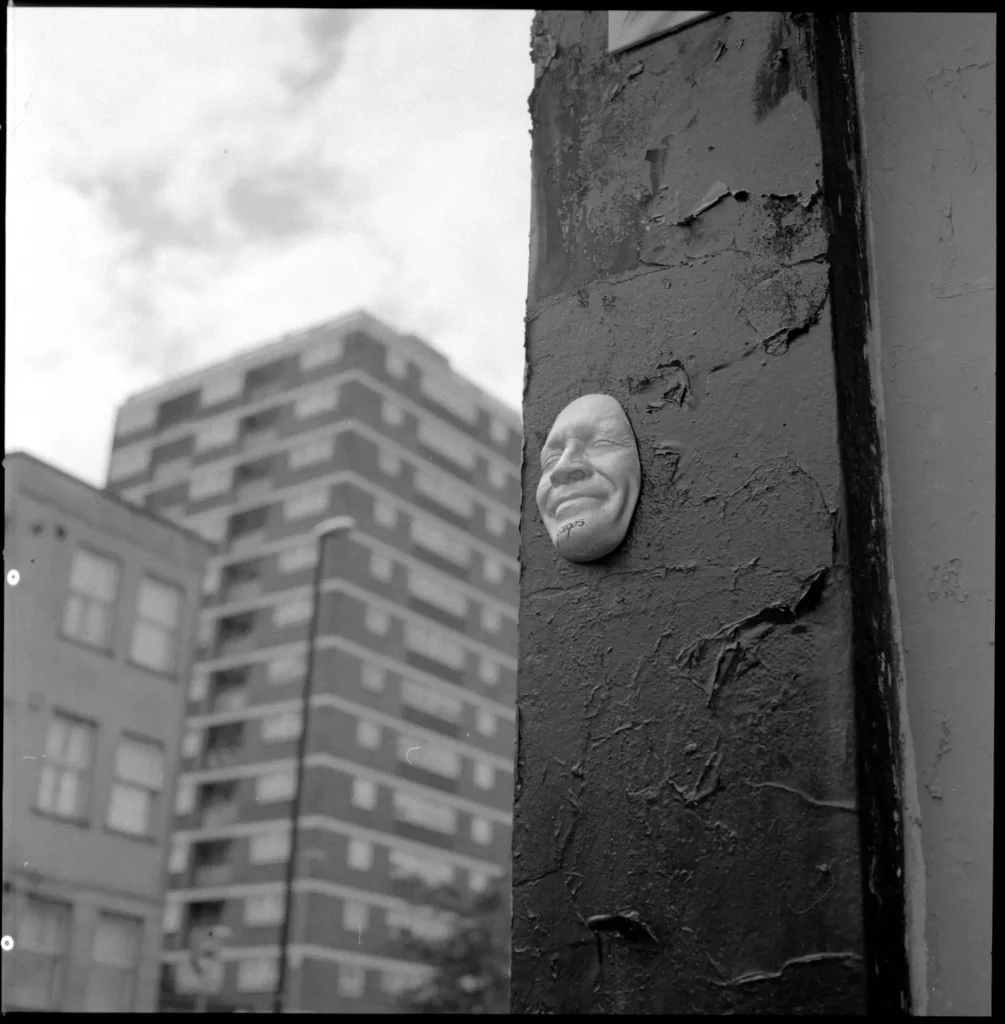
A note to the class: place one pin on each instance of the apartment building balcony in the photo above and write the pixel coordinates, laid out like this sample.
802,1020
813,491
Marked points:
206,875
251,541
233,698
256,440
244,590
252,490
218,815
220,757
227,646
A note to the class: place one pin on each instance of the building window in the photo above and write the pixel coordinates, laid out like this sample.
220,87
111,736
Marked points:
212,527
440,541
286,670
184,800
381,567
257,975
319,354
446,442
438,592
134,418
395,982
65,771
312,452
435,644
422,922
126,462
284,726
217,434
486,722
178,857
499,431
368,734
392,413
485,775
316,401
492,570
388,462
139,781
221,390
385,515
495,524
269,847
491,620
497,475
377,621
488,671
409,865
373,677
213,480
364,794
111,980
444,395
440,490
478,880
158,611
309,504
481,831
303,556
264,908
171,919
424,813
351,980
423,753
355,915
360,855
90,607
191,743
289,613
171,471
275,785
397,366
37,980
423,697
198,687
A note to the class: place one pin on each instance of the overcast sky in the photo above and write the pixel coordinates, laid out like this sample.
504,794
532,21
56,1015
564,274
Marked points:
184,184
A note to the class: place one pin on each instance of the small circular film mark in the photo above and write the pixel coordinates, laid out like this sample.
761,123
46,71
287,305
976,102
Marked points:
13,577
7,943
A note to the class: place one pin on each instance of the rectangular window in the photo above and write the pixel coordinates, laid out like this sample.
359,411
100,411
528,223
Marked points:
427,754
198,687
368,734
223,389
269,847
364,794
446,442
155,632
217,434
498,476
355,915
438,592
410,865
435,644
127,462
360,855
492,570
373,677
257,975
425,813
495,524
423,697
488,671
392,413
421,922
134,418
486,722
499,431
178,857
90,608
191,743
311,503
388,462
491,620
316,401
321,353
303,556
139,781
312,452
64,779
447,397
171,921
351,980
440,541
481,831
290,613
485,775
172,471
111,980
377,621
381,567
184,799
265,908
397,366
385,515
440,490
286,669
209,481
212,526
273,786
40,951
281,727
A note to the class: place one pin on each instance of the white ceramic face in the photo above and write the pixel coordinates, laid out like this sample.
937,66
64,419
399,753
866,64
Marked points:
590,478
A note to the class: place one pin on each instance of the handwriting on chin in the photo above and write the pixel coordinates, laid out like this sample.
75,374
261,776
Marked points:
569,527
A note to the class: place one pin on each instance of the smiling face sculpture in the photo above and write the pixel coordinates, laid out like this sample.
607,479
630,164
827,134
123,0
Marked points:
590,478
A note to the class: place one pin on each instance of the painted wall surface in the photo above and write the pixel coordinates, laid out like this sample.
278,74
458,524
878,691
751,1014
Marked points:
928,111
686,739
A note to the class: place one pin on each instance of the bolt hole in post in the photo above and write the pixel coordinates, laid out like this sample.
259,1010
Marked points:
323,532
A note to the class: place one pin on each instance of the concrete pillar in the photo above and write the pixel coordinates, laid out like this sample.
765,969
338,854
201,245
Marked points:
707,716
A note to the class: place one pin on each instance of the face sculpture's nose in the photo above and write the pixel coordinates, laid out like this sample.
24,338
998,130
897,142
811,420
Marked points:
570,469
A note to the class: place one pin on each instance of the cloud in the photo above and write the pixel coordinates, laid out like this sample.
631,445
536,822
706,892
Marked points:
185,183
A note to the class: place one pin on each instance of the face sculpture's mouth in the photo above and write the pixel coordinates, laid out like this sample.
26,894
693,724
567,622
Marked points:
564,505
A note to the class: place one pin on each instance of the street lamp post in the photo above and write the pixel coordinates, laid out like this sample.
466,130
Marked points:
323,531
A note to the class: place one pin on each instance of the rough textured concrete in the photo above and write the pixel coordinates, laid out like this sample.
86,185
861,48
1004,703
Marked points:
687,746
928,102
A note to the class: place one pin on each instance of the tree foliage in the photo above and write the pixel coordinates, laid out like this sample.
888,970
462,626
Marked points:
470,964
